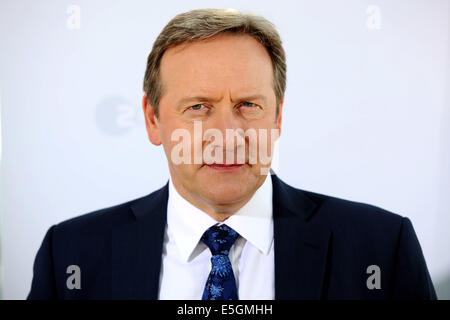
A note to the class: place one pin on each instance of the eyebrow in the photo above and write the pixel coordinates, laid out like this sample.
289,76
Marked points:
187,100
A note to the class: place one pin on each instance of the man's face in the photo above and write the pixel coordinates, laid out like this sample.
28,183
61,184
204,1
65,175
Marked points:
224,82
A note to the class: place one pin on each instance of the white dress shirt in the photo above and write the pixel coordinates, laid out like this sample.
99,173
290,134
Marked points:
186,261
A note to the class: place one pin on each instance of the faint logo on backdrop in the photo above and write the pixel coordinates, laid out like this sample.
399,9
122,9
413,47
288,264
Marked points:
73,21
373,21
117,116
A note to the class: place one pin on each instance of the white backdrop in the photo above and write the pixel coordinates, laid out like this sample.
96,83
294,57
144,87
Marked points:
366,113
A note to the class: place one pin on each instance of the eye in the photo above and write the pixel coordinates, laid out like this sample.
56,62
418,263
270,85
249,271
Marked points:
250,110
196,107
248,104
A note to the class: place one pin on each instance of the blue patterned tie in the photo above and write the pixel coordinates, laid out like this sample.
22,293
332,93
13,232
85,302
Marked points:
221,284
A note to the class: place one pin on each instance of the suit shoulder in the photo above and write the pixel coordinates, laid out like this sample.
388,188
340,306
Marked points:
106,218
359,214
365,225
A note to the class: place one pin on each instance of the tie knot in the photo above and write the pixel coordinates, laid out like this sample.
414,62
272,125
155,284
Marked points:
219,239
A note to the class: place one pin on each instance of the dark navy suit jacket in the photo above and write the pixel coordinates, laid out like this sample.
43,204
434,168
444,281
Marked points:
323,247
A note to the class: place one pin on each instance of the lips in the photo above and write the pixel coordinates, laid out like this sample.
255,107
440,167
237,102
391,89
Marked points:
229,167
225,165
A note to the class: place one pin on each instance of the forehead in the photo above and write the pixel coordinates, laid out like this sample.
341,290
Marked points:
237,63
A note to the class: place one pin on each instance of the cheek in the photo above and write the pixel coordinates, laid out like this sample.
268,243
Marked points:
166,139
268,122
267,134
168,127
176,140
252,114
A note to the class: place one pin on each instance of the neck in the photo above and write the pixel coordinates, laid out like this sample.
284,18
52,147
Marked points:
218,211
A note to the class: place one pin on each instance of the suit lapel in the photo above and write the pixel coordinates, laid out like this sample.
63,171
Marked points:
301,245
137,249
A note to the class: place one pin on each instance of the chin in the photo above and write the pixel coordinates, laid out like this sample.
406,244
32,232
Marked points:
223,193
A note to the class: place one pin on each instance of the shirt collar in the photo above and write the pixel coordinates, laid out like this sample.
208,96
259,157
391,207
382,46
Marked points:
254,221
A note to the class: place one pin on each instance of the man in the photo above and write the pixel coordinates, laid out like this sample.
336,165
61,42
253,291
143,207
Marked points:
222,228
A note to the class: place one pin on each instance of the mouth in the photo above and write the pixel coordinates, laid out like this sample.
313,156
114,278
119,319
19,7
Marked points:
233,167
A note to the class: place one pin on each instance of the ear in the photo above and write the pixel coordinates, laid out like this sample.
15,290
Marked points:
151,122
280,117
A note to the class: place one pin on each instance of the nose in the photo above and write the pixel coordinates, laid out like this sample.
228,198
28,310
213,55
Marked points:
226,118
